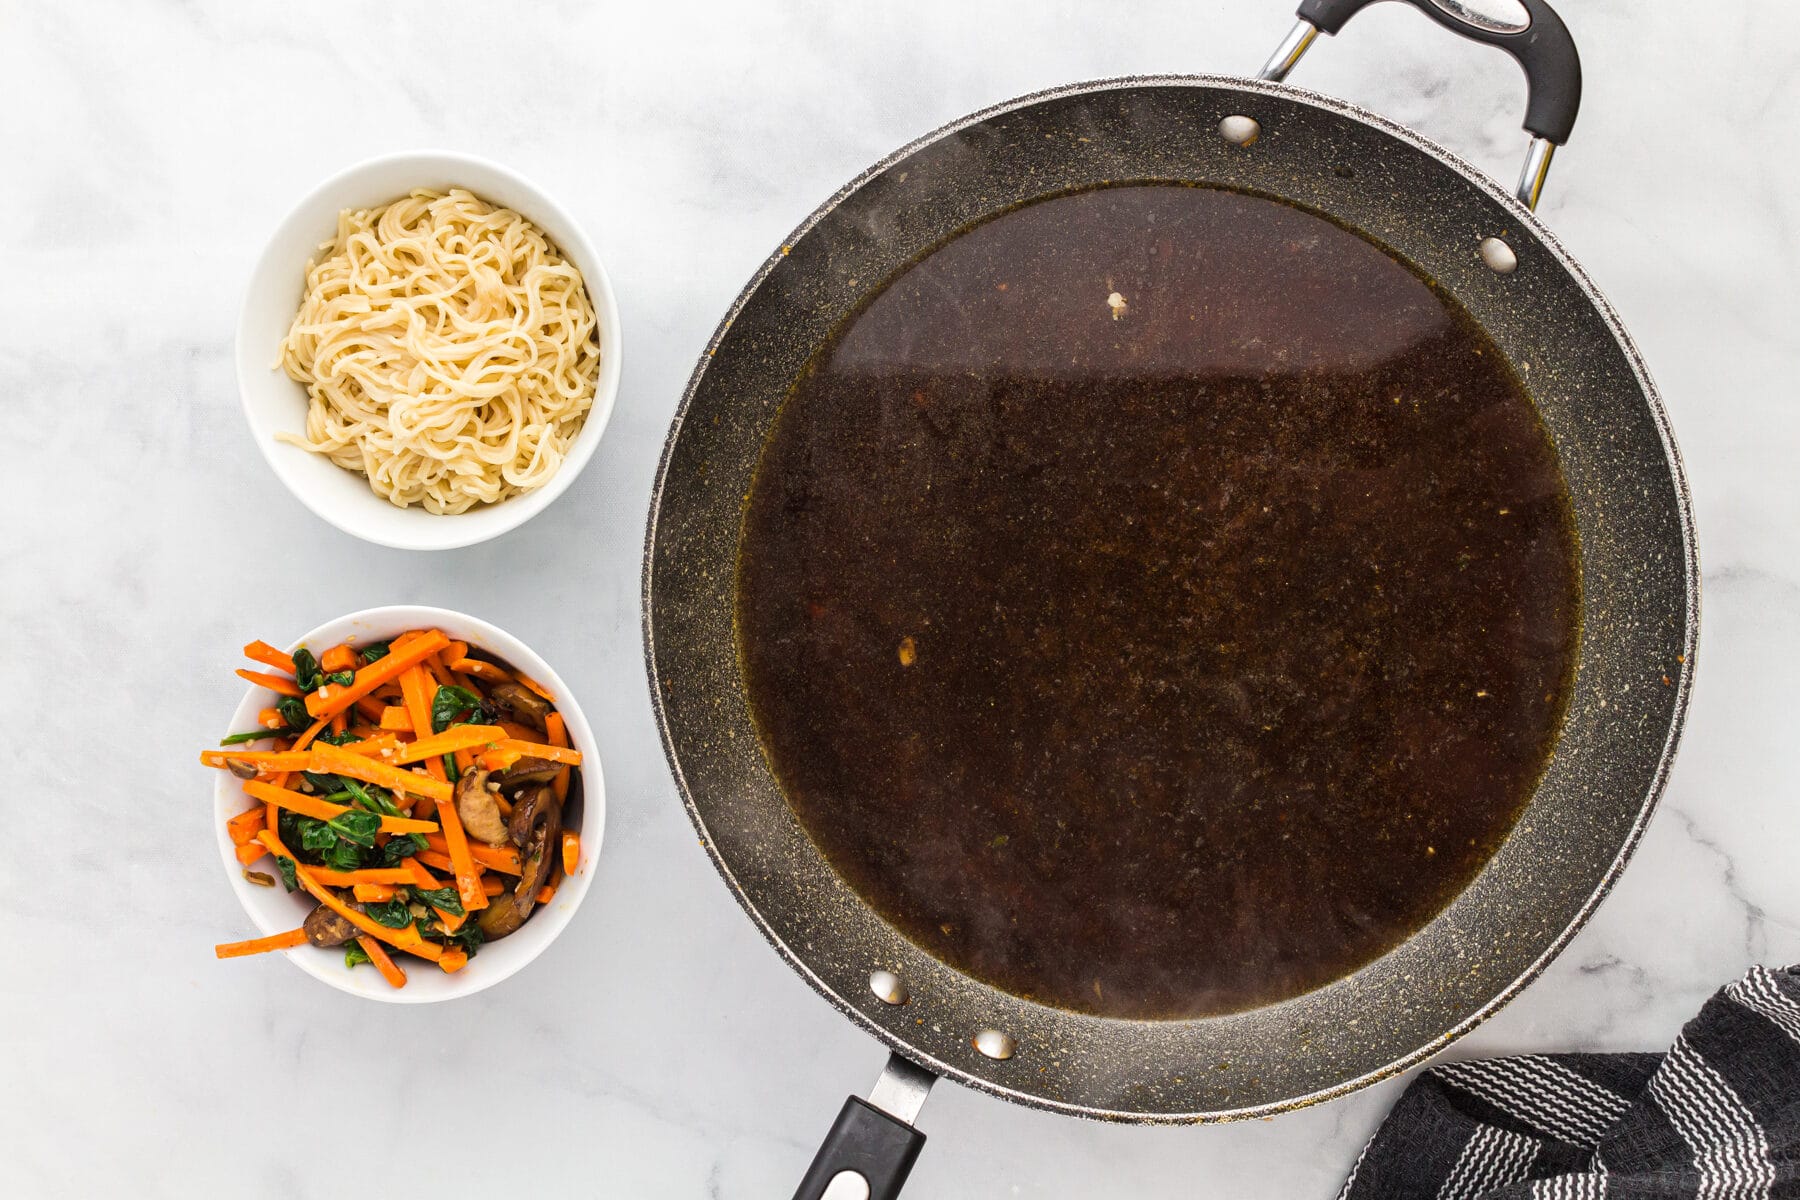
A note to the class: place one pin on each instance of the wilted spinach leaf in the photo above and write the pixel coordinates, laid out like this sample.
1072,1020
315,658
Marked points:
457,706
307,676
354,954
404,846
444,898
341,678
293,711
285,865
356,826
374,651
315,835
346,856
392,913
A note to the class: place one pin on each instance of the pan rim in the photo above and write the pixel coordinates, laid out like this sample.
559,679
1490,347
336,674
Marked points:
1689,635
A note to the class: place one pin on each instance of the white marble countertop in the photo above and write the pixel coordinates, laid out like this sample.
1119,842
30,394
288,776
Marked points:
147,152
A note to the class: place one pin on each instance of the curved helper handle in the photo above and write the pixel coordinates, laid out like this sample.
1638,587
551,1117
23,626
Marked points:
1542,46
872,1145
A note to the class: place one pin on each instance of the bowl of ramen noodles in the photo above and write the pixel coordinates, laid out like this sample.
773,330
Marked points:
428,350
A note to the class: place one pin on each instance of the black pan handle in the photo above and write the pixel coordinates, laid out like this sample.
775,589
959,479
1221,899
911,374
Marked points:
872,1145
1540,43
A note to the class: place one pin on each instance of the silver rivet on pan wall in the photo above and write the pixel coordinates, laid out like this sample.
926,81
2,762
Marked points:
1500,257
889,987
1240,130
995,1044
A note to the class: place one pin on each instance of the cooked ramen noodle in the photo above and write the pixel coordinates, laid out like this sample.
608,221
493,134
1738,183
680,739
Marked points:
449,349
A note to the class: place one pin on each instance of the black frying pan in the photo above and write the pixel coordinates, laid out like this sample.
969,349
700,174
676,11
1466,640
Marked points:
1639,578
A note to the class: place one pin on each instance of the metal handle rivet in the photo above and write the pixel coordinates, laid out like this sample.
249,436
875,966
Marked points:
1240,130
1500,258
888,987
995,1044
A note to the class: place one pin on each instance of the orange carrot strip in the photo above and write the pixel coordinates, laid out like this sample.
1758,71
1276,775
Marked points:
269,718
533,685
403,938
269,656
383,963
571,851
378,875
454,651
504,805
248,853
336,761
338,723
324,810
312,731
454,959
492,885
338,658
372,893
274,683
558,732
370,709
416,688
419,876
500,858
481,669
561,754
275,941
457,737
468,885
332,698
243,827
394,718
434,858
374,746
546,893
497,760
434,666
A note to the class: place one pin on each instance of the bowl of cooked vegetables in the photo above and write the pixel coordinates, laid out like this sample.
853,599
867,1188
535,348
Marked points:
408,804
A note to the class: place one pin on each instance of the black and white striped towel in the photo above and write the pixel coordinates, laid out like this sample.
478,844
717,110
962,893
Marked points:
1717,1116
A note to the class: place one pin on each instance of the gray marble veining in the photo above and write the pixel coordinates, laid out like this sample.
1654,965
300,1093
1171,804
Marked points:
150,148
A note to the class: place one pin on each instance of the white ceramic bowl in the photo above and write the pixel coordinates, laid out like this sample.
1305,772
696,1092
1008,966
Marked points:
272,910
274,403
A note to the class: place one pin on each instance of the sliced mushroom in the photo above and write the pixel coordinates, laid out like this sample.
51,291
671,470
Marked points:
326,929
532,809
478,810
521,704
500,917
525,772
240,768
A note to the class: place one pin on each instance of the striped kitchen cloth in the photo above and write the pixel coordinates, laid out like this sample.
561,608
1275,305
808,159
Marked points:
1717,1116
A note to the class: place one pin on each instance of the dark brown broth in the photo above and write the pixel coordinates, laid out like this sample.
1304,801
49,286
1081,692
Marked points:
1169,663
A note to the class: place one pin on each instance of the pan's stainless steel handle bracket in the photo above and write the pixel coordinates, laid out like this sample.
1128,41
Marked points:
1529,30
870,1150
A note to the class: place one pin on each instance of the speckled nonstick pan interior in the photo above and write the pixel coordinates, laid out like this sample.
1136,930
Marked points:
1637,558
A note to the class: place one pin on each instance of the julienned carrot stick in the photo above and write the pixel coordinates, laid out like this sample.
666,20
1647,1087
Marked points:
337,658
481,669
243,827
372,893
269,656
435,858
497,759
388,875
454,651
394,718
375,746
457,737
383,963
453,959
533,685
546,893
248,853
416,688
558,732
434,666
332,698
274,683
270,718
571,851
498,858
492,885
275,941
560,754
403,938
468,884
370,709
336,761
312,731
339,722
325,810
